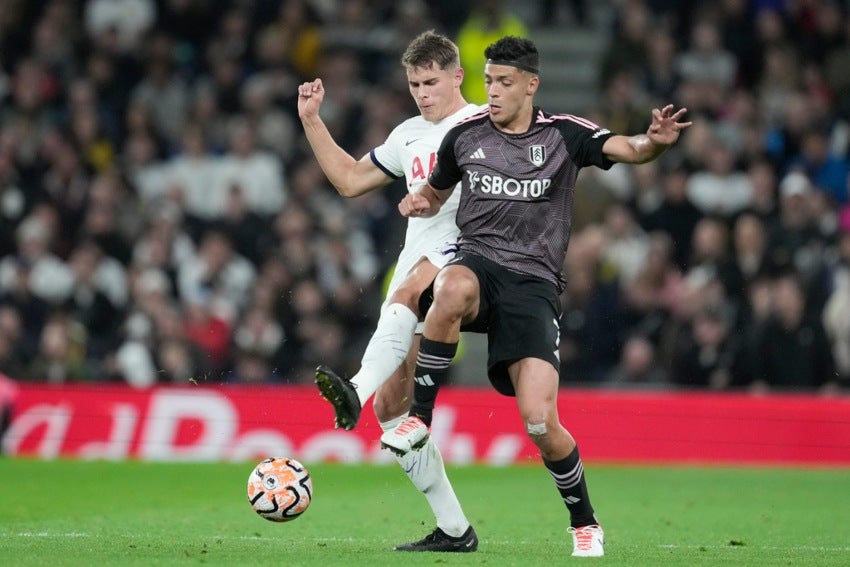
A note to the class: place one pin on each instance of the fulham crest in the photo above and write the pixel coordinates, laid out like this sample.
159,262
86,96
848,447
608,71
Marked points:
537,154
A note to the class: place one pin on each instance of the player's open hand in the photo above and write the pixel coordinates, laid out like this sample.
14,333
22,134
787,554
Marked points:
415,205
310,96
665,127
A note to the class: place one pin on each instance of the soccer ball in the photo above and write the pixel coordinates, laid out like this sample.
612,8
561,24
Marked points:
280,489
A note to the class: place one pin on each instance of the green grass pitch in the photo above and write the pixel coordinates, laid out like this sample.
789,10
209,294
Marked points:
130,513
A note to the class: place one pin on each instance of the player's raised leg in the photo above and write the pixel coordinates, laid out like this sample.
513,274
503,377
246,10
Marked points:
455,301
387,349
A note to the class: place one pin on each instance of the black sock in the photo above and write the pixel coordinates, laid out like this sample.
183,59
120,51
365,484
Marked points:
568,474
432,369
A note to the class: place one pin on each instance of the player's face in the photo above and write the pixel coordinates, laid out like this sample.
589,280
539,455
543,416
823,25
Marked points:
509,92
436,91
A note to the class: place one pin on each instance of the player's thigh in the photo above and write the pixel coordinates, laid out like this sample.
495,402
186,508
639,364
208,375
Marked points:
535,382
395,395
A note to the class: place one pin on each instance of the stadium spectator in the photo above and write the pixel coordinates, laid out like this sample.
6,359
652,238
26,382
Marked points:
720,189
35,271
709,354
711,256
591,326
626,243
706,69
638,366
125,20
749,251
793,351
836,312
627,49
15,352
13,201
488,21
61,356
219,271
676,215
764,203
251,236
191,181
259,173
98,297
656,292
295,39
548,14
162,90
828,172
8,399
794,241
659,76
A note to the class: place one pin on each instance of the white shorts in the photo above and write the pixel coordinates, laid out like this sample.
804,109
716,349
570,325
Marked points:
438,256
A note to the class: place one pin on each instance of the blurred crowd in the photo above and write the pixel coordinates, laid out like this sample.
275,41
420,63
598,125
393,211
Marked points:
162,219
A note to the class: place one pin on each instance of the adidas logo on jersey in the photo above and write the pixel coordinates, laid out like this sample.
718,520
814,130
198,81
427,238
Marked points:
478,154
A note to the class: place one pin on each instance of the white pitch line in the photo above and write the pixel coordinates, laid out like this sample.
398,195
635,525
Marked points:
47,534
760,548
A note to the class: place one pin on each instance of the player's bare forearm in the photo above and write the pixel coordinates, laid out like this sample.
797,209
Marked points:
334,161
424,203
645,150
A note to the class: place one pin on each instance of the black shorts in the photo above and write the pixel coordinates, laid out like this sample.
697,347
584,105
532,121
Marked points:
520,315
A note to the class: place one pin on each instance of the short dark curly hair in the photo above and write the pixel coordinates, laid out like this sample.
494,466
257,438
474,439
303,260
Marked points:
517,49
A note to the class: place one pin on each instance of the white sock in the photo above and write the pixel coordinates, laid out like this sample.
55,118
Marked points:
386,350
426,470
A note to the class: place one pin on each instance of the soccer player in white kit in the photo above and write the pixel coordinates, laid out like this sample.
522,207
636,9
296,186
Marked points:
434,76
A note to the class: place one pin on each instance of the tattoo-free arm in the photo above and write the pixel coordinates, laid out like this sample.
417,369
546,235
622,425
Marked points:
350,177
424,203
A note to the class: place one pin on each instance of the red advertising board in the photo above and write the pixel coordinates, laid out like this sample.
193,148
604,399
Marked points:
207,423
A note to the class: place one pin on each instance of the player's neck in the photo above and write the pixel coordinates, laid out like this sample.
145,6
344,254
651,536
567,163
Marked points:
519,124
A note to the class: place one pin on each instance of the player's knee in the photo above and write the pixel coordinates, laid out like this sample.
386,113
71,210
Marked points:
407,296
536,429
455,294
458,286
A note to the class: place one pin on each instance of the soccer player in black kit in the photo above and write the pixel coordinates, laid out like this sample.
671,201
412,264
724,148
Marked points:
517,166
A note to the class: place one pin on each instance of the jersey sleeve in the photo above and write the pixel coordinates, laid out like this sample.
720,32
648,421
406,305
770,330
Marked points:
387,156
584,141
446,172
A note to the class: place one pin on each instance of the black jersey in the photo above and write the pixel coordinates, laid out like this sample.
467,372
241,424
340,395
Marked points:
517,189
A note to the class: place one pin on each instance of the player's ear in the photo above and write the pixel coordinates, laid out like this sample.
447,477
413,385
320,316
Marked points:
533,83
458,76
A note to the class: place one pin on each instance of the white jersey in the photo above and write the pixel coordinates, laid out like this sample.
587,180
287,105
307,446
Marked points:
411,151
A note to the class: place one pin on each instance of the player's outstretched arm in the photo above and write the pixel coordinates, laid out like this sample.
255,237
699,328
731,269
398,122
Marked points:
424,203
350,177
662,133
